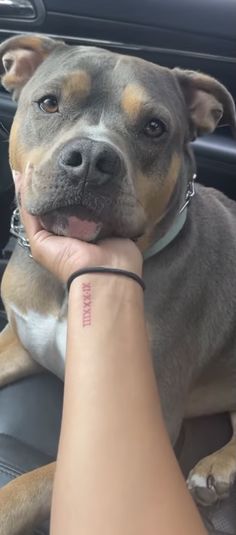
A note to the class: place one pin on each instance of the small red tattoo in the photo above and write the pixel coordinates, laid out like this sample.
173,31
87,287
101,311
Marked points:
87,301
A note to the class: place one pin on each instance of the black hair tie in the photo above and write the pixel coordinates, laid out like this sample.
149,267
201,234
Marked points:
115,271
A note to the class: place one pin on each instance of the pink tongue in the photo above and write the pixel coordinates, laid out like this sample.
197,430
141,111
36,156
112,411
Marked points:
82,229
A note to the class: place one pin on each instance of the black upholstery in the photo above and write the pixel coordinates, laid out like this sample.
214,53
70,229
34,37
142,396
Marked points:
6,198
30,415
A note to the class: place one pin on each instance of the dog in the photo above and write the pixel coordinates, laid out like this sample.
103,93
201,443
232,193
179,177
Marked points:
103,143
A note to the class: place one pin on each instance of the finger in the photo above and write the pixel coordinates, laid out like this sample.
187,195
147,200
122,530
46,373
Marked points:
17,177
60,255
30,222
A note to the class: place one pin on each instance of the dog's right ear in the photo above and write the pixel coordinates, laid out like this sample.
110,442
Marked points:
19,58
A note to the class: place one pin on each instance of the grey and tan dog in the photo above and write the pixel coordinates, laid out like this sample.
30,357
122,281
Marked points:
102,141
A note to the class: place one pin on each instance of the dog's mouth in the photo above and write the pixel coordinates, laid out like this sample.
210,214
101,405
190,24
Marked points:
74,222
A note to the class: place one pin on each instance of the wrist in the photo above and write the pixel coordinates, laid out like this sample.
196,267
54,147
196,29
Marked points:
104,290
109,254
102,270
102,309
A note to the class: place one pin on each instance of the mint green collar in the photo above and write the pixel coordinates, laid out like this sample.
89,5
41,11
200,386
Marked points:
174,230
177,226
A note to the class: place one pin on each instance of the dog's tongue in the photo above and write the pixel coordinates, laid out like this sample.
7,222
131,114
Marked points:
82,228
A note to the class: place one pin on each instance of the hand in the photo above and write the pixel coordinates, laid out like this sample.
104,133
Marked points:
63,256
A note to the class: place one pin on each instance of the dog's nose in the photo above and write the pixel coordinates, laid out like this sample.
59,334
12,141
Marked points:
96,162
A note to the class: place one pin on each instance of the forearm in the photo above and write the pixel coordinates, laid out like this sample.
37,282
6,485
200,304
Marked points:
114,457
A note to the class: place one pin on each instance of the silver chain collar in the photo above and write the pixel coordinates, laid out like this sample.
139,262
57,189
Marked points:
17,229
189,193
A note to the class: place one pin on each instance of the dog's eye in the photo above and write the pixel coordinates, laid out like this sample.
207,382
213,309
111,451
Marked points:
154,128
48,104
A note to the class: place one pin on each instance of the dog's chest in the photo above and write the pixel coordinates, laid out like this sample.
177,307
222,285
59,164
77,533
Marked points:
44,337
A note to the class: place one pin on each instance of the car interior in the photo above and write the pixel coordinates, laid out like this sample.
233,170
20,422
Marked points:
191,34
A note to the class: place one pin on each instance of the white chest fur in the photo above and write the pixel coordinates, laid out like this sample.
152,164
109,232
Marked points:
44,337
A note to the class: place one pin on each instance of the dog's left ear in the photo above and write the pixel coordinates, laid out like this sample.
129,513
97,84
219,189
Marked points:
208,101
19,58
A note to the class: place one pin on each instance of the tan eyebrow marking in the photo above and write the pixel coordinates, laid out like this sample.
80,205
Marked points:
78,82
132,100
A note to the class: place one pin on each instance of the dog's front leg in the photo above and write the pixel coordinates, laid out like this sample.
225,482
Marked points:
15,361
212,478
25,502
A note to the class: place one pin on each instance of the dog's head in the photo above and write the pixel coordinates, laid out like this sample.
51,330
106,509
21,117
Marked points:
102,139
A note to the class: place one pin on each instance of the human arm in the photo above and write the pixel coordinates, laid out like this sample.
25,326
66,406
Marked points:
116,470
118,460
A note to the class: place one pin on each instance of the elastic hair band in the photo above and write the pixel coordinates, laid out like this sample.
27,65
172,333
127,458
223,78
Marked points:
115,271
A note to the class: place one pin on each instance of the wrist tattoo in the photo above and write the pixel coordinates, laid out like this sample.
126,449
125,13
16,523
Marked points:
86,304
